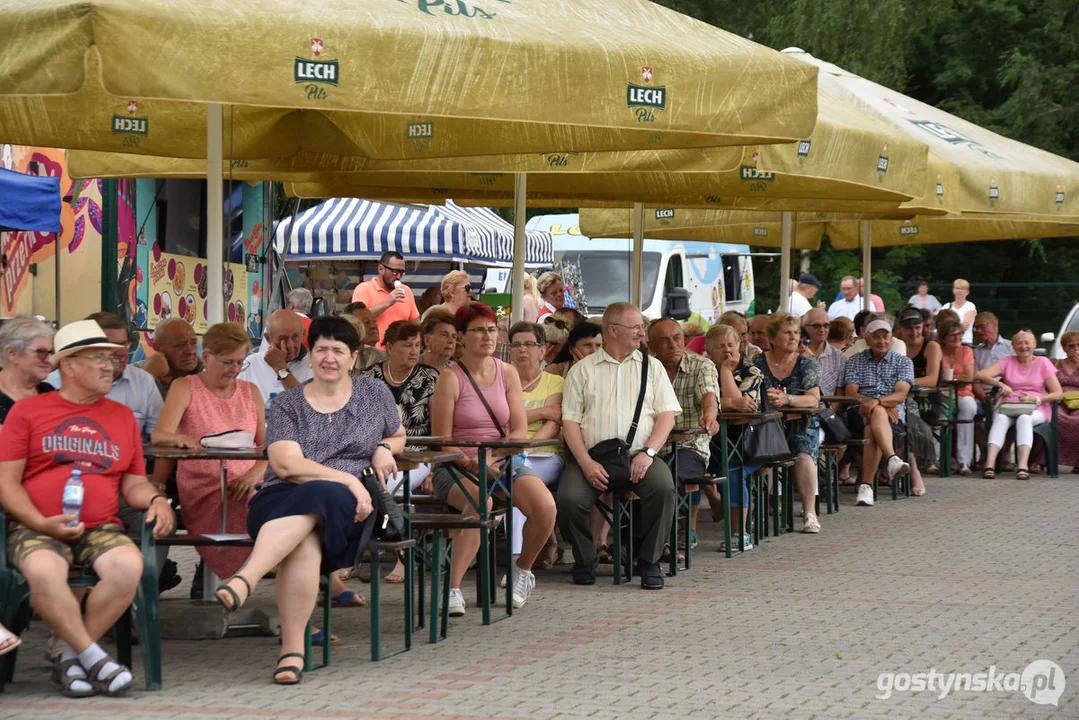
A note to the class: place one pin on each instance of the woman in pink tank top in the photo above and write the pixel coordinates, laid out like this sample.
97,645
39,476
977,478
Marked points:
480,397
211,402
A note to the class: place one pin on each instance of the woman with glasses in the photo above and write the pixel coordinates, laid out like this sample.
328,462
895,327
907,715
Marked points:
25,349
543,408
959,358
481,397
456,293
214,401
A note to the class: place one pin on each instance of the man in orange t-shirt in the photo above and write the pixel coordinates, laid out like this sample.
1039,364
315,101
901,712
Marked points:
388,303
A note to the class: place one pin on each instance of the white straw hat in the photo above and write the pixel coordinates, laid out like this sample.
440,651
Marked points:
77,336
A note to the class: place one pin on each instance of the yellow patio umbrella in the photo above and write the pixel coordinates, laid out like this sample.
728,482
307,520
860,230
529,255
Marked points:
416,78
387,79
976,170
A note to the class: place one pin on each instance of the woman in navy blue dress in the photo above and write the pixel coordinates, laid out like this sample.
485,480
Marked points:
308,515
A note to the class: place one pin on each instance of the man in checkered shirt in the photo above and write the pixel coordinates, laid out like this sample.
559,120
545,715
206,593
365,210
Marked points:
883,378
696,385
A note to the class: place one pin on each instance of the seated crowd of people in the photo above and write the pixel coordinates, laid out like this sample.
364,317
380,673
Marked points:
335,397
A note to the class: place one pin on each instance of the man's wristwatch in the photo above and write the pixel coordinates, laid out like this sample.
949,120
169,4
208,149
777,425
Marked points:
649,452
283,373
386,445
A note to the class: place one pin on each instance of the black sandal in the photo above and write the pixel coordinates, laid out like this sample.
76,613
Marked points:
297,671
603,552
101,685
236,604
1022,474
989,473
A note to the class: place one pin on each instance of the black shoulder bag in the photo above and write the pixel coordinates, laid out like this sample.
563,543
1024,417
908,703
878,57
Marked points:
765,441
387,520
613,454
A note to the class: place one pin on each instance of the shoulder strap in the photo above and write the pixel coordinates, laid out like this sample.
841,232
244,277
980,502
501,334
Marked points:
640,397
498,425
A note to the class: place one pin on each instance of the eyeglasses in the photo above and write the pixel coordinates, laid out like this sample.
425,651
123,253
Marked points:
477,331
99,359
42,353
529,345
557,322
240,365
817,326
636,328
399,272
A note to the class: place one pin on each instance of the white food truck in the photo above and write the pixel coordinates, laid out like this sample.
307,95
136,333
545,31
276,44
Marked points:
685,280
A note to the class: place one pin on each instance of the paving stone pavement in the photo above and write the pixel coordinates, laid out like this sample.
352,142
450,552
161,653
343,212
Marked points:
975,574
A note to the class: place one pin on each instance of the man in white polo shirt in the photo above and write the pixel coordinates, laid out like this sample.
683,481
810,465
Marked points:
598,402
284,364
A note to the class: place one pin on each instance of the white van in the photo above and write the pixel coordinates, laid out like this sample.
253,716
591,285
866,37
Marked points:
711,278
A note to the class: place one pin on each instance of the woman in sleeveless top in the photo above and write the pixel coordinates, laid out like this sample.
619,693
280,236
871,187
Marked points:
457,410
214,401
925,354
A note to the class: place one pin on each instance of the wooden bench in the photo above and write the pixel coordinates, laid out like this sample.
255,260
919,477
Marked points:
684,504
375,556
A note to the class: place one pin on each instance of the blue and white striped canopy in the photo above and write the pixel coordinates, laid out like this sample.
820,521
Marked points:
353,229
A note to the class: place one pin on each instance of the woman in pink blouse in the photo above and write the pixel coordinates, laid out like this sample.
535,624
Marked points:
1023,378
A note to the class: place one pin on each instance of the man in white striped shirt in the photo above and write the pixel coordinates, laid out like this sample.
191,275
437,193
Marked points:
598,400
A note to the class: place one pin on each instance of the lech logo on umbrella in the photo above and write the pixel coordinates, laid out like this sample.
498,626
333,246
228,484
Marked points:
1060,195
882,163
132,126
994,192
316,71
646,98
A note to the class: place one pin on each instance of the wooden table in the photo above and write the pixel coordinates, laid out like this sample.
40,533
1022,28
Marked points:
503,483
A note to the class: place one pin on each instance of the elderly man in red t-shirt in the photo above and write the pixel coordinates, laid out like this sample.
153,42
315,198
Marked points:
44,439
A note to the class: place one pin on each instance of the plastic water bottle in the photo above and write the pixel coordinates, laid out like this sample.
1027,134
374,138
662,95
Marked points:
73,492
519,461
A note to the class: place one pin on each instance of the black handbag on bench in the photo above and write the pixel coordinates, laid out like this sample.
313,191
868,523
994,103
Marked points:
613,454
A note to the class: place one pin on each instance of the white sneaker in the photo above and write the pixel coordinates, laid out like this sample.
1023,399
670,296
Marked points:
457,603
811,525
523,587
897,468
865,495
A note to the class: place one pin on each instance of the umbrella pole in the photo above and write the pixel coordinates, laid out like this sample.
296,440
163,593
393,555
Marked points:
56,273
215,208
867,266
520,217
638,249
786,228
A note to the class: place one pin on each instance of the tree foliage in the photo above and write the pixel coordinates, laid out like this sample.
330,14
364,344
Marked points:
1008,65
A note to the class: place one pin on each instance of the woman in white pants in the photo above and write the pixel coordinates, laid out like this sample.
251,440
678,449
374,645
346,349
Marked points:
1023,378
959,359
543,405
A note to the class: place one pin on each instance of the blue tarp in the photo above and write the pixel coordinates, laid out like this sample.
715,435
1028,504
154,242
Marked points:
29,202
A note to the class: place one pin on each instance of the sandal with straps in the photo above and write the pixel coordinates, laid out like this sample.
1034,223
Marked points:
236,603
59,675
101,685
1022,474
295,670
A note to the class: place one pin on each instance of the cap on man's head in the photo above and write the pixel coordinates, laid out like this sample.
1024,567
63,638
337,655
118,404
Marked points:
77,336
877,325
910,317
809,279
